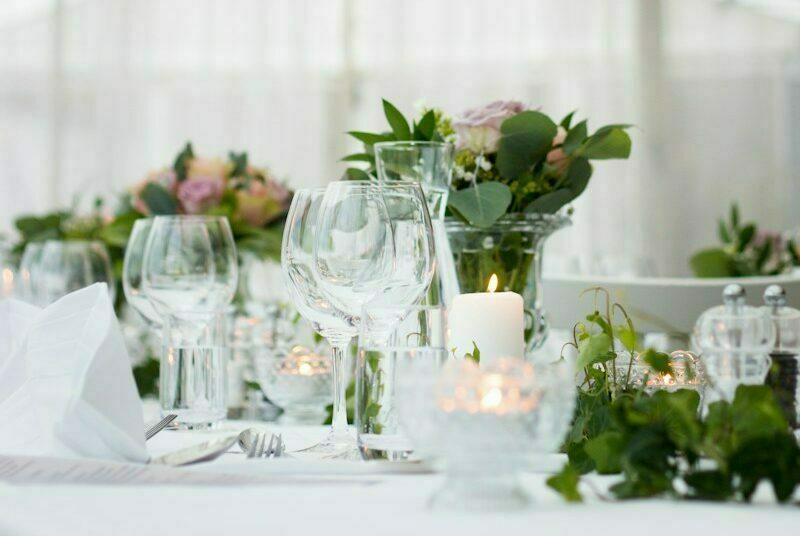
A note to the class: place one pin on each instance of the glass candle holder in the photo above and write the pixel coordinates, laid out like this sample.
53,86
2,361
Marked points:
298,381
687,373
490,420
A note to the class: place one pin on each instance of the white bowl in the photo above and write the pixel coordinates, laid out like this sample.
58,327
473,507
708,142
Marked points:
655,304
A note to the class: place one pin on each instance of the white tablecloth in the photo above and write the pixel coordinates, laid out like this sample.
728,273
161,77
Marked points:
365,503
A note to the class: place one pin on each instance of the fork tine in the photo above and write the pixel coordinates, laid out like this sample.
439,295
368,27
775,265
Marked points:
160,425
251,452
280,447
268,452
262,445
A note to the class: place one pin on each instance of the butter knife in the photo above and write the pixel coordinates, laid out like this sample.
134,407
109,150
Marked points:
204,452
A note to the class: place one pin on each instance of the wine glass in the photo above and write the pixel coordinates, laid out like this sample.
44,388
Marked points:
132,272
324,313
190,265
189,275
67,266
374,245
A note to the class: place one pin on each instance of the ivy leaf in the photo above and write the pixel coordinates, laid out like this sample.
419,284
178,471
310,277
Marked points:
712,263
757,412
582,462
566,484
709,485
606,451
181,164
593,350
396,120
627,335
482,204
158,200
658,361
526,139
608,142
424,130
475,355
575,137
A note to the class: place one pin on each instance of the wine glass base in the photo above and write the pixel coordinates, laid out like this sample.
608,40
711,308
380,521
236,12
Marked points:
333,447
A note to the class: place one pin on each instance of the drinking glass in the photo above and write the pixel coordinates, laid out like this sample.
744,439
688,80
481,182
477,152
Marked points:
29,273
430,164
132,272
189,276
192,374
395,380
67,266
325,314
374,245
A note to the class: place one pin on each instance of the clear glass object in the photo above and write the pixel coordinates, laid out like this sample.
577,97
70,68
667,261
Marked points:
326,316
69,265
398,362
687,368
784,372
29,273
512,250
8,273
132,272
734,341
192,379
189,276
430,164
491,420
298,381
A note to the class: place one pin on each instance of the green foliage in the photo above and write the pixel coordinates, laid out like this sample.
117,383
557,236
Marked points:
181,164
534,173
475,355
481,205
743,253
656,442
146,376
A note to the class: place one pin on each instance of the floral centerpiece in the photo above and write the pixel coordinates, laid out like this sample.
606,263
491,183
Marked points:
515,171
746,251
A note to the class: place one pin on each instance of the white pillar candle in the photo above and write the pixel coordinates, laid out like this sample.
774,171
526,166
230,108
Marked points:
494,321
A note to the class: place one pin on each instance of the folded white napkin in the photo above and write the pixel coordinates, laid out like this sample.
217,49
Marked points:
66,387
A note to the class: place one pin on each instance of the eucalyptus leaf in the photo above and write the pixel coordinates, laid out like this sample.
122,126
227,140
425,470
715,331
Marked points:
567,121
613,143
483,204
158,200
399,125
722,231
359,157
550,203
578,175
746,235
356,174
526,139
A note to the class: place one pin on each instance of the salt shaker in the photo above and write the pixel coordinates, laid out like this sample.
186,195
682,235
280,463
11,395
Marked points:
783,374
734,340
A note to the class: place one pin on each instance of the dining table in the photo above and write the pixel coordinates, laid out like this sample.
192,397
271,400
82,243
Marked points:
234,495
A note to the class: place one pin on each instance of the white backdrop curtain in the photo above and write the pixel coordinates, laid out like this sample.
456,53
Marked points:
94,93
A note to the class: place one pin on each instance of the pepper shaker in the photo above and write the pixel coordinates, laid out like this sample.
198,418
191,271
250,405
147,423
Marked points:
783,374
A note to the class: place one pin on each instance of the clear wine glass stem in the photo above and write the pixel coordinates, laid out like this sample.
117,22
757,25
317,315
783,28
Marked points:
339,421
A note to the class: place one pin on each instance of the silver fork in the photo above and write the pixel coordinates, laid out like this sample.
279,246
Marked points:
157,427
259,448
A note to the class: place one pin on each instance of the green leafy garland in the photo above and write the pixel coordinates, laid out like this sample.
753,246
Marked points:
515,177
658,443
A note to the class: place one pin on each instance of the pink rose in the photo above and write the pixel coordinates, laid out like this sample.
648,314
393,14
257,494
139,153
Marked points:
479,129
198,195
557,157
262,202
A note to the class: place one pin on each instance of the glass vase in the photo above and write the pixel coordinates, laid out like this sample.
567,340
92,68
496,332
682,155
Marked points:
512,250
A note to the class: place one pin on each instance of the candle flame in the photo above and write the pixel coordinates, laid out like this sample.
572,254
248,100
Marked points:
305,369
492,283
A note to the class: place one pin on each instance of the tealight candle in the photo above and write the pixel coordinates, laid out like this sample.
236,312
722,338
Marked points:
494,321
